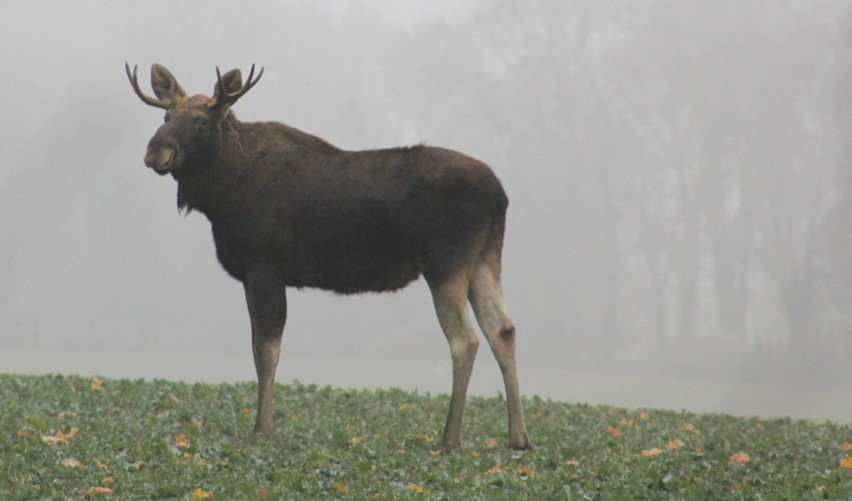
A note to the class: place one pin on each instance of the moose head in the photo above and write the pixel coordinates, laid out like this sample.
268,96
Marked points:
193,124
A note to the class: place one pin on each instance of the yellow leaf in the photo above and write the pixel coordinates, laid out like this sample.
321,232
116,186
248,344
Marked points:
107,481
434,454
200,493
612,411
356,440
71,463
652,452
174,398
247,410
571,462
341,487
614,431
494,470
491,442
404,406
415,488
846,446
691,428
428,438
740,457
474,454
72,433
181,441
674,444
97,490
138,465
846,463
645,415
97,383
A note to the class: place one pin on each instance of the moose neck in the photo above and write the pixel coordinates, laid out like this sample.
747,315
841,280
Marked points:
206,182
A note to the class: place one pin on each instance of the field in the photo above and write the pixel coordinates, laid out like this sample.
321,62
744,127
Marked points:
64,437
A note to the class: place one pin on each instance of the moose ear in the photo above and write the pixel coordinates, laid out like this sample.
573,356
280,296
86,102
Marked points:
233,81
166,87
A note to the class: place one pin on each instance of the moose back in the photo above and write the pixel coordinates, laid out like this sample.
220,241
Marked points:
288,209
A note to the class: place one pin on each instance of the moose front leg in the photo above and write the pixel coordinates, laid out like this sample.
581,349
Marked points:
267,304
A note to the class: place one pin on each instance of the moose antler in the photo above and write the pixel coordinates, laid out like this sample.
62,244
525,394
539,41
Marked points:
225,98
135,84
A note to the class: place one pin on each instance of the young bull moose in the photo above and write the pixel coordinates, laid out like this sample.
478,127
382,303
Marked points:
288,209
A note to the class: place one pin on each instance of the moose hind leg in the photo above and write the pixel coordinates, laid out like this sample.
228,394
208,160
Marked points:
486,297
450,299
267,305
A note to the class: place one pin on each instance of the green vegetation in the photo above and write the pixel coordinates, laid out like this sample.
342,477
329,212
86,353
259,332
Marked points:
67,437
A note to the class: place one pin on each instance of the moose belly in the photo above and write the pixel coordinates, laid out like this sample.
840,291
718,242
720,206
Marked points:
370,260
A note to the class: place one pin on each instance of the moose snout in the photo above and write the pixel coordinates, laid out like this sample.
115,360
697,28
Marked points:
160,157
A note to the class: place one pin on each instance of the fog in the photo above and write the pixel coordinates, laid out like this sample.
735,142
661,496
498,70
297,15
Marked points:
681,194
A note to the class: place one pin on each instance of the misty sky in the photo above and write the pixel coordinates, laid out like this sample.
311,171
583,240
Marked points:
679,201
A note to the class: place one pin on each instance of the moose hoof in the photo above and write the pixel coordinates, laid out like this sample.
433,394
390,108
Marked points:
521,443
262,434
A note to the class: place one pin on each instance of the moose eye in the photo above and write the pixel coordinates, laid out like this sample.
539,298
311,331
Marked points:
166,117
202,123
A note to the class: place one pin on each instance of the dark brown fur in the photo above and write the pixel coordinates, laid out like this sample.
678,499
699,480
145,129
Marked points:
288,209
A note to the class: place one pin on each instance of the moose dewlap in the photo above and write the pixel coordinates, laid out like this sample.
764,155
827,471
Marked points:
288,209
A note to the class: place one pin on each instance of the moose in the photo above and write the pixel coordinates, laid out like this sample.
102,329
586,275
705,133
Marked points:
288,209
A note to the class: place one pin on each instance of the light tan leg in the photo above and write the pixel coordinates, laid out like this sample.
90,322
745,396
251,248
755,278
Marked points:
267,305
486,297
451,306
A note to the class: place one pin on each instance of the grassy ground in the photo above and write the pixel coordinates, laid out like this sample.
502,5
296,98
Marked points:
82,438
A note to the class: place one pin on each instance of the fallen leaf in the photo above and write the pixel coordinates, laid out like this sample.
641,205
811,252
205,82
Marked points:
341,487
404,406
415,488
97,490
107,481
691,428
571,462
71,463
49,439
626,422
263,493
846,463
97,383
356,440
137,465
740,457
612,411
845,446
181,441
645,415
494,470
491,442
526,471
434,454
614,431
652,452
72,433
674,444
428,438
200,493
174,398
